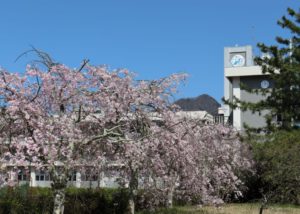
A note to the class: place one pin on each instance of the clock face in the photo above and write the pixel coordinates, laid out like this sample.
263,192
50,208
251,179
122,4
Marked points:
237,60
265,84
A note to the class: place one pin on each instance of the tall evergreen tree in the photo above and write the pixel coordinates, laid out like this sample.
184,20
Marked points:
282,63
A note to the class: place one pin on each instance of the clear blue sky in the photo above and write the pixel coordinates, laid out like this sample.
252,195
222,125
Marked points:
153,38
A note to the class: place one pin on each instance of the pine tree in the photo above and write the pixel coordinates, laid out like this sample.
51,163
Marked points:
282,63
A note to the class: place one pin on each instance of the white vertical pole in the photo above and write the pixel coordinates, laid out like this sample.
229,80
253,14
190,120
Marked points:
237,112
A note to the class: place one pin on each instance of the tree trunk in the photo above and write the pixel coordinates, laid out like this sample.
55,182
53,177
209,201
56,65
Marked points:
131,205
133,187
263,204
261,210
131,200
59,199
60,180
170,190
170,194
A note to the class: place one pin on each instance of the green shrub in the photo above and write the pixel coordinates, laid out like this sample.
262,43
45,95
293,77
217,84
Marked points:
35,200
278,166
25,200
96,200
28,200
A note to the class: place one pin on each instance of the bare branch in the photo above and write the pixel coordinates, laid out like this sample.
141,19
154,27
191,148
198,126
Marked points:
38,90
106,133
84,63
6,87
79,115
46,60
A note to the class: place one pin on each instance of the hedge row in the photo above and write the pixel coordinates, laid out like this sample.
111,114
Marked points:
35,200
40,200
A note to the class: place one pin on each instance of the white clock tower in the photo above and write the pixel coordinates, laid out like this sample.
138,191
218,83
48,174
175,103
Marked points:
239,68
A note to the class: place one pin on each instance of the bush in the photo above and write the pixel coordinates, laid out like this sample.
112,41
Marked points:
96,201
35,200
25,200
150,199
278,167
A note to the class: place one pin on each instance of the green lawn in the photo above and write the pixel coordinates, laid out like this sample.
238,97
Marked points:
232,209
253,209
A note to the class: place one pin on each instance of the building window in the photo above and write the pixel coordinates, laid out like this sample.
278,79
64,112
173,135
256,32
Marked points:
279,118
89,177
22,175
72,176
42,176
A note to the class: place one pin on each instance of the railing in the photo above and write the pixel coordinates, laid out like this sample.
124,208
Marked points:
219,119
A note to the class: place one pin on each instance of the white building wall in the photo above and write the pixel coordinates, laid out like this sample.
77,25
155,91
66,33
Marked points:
32,179
78,180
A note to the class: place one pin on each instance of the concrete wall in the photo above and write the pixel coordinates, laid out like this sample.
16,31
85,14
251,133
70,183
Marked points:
246,51
254,120
248,74
236,91
231,84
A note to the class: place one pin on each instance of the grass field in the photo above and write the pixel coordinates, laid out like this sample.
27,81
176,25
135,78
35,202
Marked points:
252,209
232,209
